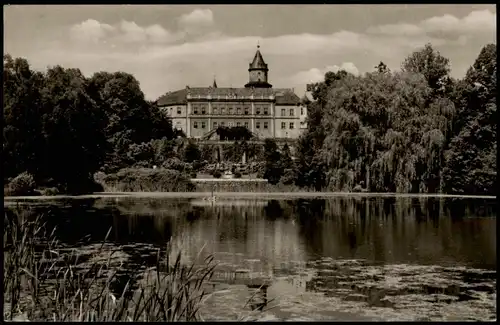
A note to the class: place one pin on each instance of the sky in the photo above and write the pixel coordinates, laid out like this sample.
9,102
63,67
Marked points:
167,47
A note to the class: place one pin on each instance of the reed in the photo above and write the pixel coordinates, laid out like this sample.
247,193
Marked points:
43,281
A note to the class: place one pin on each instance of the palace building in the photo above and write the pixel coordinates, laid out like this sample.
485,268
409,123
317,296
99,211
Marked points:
267,112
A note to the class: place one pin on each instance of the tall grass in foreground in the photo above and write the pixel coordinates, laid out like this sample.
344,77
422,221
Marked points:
45,282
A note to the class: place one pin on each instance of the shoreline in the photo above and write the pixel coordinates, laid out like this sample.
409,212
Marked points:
242,195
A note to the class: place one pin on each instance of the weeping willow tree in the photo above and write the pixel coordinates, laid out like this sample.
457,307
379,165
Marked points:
386,131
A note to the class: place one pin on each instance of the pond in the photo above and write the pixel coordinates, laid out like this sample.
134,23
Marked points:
343,258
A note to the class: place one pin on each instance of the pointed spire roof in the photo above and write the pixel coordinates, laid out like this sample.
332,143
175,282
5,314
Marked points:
258,61
215,83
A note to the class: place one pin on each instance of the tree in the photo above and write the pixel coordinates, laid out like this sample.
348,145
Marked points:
385,130
272,169
73,130
286,157
429,63
130,118
470,166
382,68
22,133
191,152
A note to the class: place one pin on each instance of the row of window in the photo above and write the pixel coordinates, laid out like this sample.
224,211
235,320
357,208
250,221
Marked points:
238,111
222,124
230,124
245,124
230,111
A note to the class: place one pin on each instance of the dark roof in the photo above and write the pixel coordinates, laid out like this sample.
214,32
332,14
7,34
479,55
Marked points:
283,96
173,98
258,84
258,61
286,97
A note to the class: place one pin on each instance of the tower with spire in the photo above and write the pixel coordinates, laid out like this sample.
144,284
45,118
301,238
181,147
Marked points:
258,72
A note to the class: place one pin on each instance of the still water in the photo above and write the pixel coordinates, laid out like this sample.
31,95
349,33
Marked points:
348,258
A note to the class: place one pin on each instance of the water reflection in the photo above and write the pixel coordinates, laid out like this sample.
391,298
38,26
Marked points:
359,250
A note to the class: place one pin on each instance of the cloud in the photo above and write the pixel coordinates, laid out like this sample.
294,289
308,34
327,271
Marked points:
164,59
396,29
131,32
91,30
198,17
94,31
478,21
192,25
316,75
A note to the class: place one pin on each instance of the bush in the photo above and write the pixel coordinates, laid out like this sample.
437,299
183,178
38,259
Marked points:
237,174
217,174
289,176
197,165
49,191
148,180
192,152
174,164
22,184
193,174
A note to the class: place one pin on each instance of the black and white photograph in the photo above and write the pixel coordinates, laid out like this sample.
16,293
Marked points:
189,162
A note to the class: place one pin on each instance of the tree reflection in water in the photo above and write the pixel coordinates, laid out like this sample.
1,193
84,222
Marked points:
339,240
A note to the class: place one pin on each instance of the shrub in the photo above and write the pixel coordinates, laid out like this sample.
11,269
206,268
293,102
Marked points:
197,165
237,174
148,180
49,191
192,152
289,176
193,174
22,184
217,174
174,164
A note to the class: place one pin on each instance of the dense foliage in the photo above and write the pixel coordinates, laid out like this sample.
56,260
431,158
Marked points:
416,130
62,127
